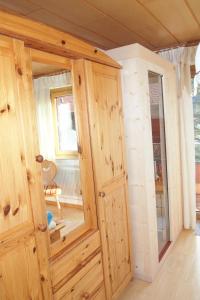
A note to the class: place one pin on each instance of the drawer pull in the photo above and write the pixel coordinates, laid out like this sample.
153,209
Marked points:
102,194
39,158
86,296
42,227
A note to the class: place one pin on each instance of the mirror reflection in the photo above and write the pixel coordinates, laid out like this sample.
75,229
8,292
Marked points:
58,144
160,162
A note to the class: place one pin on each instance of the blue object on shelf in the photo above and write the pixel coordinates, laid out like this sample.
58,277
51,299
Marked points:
49,216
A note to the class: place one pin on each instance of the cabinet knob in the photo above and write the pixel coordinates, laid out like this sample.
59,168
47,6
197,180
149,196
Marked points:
102,194
39,158
42,227
86,295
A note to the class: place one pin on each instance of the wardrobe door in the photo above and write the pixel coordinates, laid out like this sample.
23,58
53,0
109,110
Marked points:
106,121
19,268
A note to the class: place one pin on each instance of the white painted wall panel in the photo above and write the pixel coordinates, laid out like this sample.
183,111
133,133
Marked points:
136,62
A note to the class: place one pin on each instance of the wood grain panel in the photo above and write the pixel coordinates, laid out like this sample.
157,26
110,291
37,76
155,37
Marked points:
176,17
20,6
115,217
89,35
106,123
43,37
79,10
28,131
14,194
100,294
85,283
19,273
135,18
73,259
18,177
194,7
108,114
115,31
155,24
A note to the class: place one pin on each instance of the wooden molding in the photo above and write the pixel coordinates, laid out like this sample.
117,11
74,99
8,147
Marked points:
42,37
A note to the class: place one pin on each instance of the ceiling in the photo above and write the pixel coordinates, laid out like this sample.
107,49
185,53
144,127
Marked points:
107,24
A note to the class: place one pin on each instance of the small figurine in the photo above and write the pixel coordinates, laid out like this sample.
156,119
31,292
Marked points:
51,222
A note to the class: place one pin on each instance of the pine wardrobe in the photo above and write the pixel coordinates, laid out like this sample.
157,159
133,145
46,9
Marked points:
64,228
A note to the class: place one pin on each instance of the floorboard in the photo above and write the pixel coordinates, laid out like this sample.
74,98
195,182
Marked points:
179,277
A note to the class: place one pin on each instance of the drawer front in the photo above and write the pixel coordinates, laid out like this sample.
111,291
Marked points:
65,266
100,294
86,284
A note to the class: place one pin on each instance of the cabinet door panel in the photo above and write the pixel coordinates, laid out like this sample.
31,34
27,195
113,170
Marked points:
106,120
115,217
21,241
15,204
19,273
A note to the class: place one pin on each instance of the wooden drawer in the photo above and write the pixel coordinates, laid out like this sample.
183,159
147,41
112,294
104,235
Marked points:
66,265
100,294
86,284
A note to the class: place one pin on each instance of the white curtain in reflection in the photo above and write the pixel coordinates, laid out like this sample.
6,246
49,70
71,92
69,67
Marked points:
182,58
42,88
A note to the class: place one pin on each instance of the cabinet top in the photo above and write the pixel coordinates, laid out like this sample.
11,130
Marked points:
40,36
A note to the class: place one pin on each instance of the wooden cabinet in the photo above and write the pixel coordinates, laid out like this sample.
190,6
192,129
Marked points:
93,261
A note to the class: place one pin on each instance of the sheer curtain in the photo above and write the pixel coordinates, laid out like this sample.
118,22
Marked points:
42,88
182,58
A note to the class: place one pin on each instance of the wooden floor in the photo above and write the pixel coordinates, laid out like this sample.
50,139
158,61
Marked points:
179,277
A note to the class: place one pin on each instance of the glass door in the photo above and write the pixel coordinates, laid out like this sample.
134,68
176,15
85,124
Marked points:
160,161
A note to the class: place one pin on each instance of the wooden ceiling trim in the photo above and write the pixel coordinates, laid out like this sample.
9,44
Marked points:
46,38
192,12
158,20
122,25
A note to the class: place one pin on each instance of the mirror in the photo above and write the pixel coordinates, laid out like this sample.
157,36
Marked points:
160,160
58,144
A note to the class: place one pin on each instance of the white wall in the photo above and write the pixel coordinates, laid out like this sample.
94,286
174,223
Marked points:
136,62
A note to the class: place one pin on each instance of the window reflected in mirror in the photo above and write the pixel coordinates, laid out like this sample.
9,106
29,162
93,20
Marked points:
58,144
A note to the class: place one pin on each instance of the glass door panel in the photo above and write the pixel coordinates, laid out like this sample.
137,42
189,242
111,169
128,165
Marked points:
160,160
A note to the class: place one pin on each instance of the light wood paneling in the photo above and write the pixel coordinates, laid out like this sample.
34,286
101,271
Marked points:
85,284
18,251
90,35
110,24
15,202
20,6
29,132
194,7
137,21
166,13
110,173
19,272
73,260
